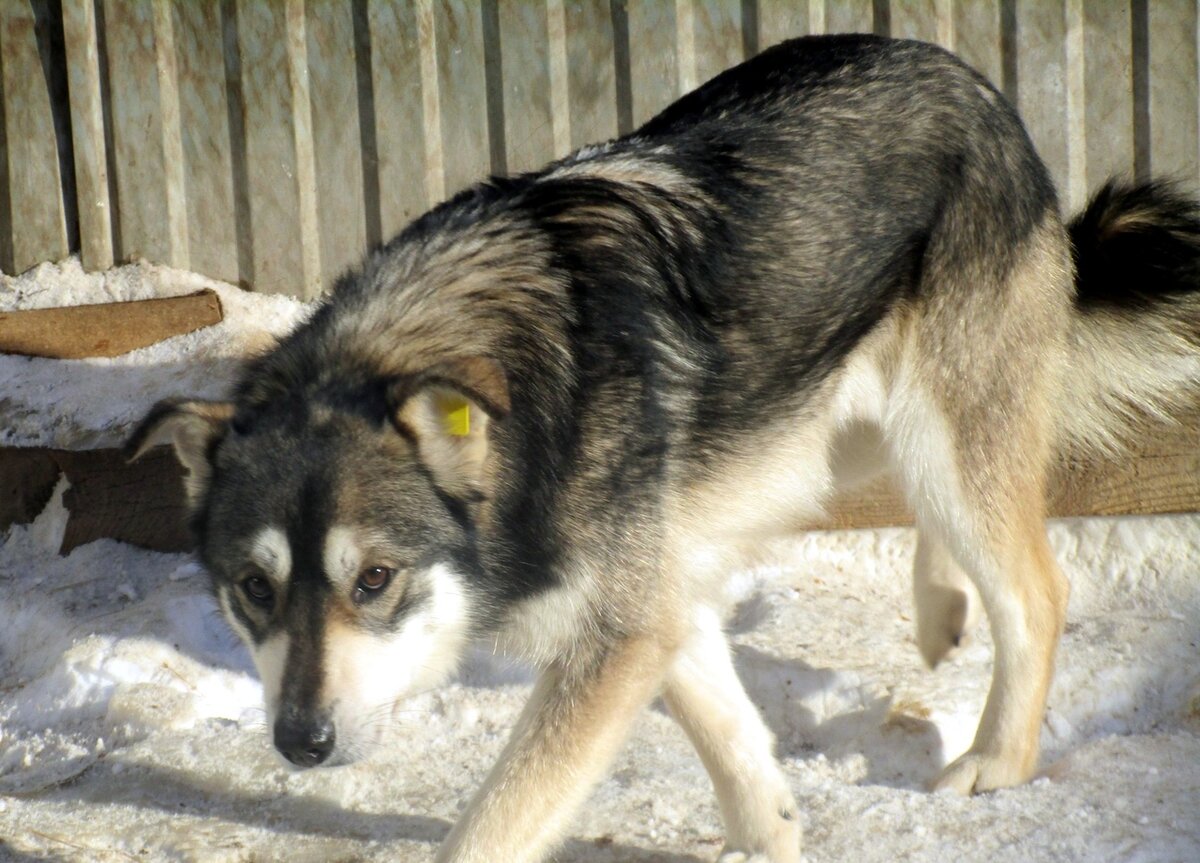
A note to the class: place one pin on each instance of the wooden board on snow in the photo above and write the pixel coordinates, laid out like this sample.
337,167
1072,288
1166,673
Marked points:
105,329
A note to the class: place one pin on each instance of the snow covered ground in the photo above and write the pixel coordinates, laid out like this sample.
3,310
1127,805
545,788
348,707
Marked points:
131,725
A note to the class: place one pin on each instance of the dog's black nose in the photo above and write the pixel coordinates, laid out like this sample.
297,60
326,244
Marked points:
304,740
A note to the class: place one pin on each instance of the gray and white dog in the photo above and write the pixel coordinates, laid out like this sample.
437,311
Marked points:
551,411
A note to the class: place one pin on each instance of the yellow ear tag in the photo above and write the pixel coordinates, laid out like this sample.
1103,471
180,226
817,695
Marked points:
458,417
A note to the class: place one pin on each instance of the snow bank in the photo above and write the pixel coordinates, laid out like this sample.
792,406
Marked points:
81,404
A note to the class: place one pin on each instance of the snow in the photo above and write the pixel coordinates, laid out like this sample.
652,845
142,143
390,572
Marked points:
131,725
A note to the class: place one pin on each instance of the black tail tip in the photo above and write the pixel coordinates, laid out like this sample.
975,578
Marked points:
1136,244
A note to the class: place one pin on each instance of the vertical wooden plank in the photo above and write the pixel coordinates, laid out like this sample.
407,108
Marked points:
279,159
87,134
167,74
146,138
850,16
462,93
915,19
591,71
780,20
35,197
6,219
653,58
977,37
204,126
400,118
1174,90
1042,81
337,138
1108,88
525,69
560,78
717,37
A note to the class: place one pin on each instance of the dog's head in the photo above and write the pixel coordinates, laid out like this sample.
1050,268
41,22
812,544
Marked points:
338,527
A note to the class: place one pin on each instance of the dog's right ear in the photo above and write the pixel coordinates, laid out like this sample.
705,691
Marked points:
193,428
447,411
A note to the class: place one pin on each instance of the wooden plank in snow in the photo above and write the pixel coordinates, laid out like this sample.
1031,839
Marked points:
105,329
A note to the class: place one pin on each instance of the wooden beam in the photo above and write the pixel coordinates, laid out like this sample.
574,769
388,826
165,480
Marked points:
105,329
140,503
1160,474
143,503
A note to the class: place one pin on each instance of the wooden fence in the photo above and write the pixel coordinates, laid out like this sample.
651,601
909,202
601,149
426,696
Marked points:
271,142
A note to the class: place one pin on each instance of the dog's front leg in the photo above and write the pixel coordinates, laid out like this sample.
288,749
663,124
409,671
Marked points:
578,716
703,693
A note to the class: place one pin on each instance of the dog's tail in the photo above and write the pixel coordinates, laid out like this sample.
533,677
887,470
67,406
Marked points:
1134,353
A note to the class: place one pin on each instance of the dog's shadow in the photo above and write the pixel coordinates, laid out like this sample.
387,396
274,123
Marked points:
900,747
178,793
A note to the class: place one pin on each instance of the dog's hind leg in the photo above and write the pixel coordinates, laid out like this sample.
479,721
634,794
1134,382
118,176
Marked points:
703,693
946,601
970,421
579,714
1025,596
985,507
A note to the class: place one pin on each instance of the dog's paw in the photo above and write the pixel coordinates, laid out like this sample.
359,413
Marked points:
783,849
975,773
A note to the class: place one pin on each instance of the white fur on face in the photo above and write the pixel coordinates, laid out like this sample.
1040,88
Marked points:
270,658
342,556
272,554
366,674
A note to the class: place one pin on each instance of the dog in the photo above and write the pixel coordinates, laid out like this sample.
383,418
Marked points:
553,410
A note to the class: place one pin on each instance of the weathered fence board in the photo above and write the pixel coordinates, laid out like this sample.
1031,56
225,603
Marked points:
718,40
145,122
399,82
87,134
591,73
1042,85
1108,73
978,37
920,19
527,66
337,135
204,130
653,57
462,89
279,147
32,215
783,19
849,16
1173,109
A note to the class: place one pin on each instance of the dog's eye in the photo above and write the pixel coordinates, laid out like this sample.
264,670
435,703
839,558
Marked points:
370,581
259,590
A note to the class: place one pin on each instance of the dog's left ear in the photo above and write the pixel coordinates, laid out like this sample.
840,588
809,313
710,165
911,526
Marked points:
447,410
192,427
